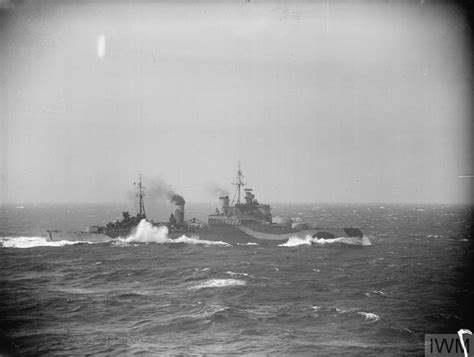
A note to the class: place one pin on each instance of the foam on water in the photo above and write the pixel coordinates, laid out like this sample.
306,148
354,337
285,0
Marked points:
308,240
295,241
31,242
369,316
196,240
145,232
219,283
231,273
335,240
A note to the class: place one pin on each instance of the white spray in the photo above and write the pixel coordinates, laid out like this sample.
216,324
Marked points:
147,233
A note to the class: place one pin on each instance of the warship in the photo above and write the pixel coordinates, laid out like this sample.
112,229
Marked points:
241,221
120,228
245,220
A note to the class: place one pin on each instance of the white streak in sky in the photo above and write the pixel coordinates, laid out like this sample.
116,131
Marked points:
466,176
101,46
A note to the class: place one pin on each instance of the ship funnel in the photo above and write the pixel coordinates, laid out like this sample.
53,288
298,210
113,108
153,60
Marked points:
225,204
179,214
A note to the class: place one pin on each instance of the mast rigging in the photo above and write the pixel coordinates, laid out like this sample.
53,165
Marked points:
140,195
238,184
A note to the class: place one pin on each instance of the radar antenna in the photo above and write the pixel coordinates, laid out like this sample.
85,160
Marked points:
238,184
140,195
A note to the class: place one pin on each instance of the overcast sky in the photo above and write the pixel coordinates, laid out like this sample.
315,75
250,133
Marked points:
321,102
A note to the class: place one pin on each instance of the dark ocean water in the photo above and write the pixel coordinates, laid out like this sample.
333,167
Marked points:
184,298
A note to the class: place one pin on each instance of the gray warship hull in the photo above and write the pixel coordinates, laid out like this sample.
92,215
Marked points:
241,234
237,234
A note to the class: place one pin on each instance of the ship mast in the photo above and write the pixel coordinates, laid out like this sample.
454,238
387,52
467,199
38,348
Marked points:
140,195
239,183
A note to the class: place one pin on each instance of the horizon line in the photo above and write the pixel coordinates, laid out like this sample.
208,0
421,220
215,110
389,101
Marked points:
20,203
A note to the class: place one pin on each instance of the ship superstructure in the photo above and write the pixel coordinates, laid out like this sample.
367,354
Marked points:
120,228
255,220
248,212
123,227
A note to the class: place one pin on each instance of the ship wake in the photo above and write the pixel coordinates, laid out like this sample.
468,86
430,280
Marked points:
32,242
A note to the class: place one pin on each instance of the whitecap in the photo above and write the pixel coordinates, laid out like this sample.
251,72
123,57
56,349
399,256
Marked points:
203,269
220,283
369,316
231,273
249,243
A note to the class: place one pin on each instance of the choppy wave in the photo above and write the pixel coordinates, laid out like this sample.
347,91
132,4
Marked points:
219,283
249,243
369,316
308,240
231,273
376,293
145,232
31,242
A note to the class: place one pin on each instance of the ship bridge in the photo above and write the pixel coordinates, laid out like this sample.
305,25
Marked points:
250,211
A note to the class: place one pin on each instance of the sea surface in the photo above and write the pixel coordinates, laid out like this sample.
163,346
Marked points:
129,298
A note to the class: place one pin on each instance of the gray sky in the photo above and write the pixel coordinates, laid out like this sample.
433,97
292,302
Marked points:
321,102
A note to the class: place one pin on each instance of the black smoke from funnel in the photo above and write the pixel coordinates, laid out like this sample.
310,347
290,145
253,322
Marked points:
158,189
177,199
